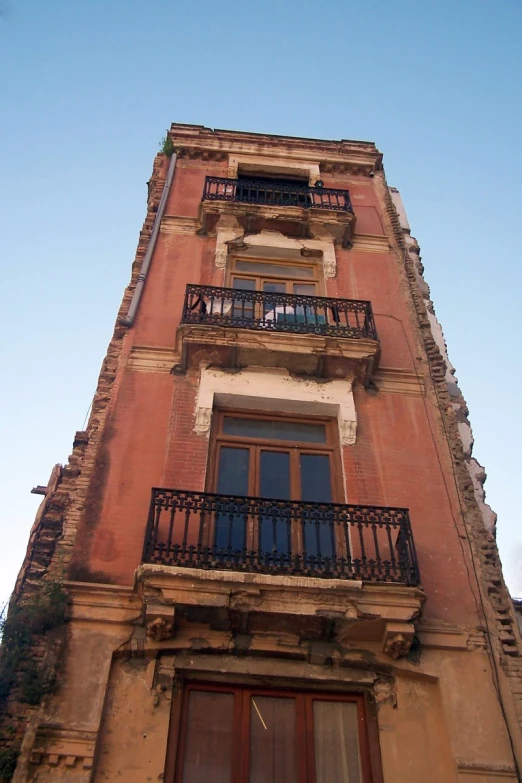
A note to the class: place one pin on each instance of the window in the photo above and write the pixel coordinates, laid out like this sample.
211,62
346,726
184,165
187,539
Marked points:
249,735
280,459
283,278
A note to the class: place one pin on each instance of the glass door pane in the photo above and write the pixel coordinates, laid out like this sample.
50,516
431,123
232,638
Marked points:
272,740
271,309
310,315
274,429
244,307
232,479
208,742
275,528
316,487
316,480
336,741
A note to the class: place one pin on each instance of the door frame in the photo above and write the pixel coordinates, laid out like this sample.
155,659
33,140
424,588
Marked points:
331,448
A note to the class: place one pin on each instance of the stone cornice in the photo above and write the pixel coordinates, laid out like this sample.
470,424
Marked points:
196,141
144,358
92,601
179,224
394,381
370,243
486,770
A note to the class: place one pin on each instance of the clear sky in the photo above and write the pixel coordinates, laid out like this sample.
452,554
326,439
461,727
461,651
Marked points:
87,91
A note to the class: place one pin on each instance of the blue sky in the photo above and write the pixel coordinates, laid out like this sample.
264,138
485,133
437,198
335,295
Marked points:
87,91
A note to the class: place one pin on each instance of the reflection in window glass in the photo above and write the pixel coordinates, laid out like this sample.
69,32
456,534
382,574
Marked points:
233,471
316,487
316,484
274,475
274,482
303,289
244,284
275,430
233,468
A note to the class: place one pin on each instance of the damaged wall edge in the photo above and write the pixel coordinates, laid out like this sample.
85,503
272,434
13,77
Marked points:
475,469
504,639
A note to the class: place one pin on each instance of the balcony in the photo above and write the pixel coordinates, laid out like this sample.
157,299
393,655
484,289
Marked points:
308,334
256,535
276,194
287,564
294,209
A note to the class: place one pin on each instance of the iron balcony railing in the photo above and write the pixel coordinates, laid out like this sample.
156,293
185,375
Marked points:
278,312
274,193
328,540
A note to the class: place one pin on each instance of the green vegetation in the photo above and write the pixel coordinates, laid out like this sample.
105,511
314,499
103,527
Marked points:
167,145
8,759
20,628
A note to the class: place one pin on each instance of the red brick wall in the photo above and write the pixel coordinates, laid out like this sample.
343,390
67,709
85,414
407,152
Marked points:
149,439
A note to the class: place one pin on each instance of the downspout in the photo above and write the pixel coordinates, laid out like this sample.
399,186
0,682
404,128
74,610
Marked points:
138,291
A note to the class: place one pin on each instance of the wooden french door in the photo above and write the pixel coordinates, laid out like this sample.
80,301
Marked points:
276,277
279,459
243,735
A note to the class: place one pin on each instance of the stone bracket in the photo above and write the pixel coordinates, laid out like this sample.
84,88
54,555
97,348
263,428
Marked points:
397,638
159,620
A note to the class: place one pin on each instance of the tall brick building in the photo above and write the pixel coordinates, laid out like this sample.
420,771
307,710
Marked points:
272,536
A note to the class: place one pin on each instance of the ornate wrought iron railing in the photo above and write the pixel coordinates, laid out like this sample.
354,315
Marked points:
328,540
279,312
274,193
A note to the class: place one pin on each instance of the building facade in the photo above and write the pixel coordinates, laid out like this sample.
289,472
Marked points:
272,537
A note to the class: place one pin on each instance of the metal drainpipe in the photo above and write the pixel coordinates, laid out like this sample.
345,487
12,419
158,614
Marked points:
135,301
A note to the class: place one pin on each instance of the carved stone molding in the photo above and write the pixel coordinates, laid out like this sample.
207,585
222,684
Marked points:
200,153
58,746
489,771
148,359
308,355
179,224
203,419
393,381
281,165
97,602
159,621
196,141
271,244
378,615
295,221
276,391
371,243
